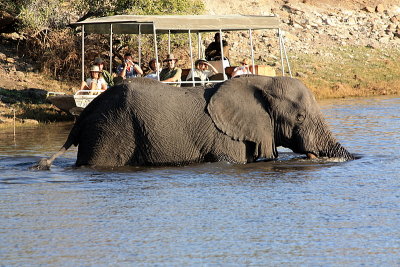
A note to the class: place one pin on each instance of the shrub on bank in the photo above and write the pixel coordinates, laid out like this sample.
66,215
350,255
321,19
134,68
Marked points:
50,41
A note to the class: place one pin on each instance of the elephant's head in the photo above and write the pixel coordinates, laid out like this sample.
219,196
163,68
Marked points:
272,112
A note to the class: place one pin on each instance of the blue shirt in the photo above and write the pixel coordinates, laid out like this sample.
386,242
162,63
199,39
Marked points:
130,71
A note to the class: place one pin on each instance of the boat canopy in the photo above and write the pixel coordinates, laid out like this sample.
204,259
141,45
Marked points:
171,24
146,24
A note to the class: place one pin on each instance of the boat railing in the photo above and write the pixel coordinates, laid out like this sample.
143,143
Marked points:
89,93
84,97
54,93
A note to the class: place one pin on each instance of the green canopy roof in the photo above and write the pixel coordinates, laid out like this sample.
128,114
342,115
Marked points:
132,24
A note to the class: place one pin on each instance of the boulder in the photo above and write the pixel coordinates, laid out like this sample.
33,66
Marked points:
20,75
394,19
384,40
379,8
368,9
3,57
29,121
301,74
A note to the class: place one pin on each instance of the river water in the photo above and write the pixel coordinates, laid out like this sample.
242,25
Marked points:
286,212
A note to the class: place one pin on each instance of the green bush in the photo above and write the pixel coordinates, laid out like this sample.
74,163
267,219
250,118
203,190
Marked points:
56,47
36,15
164,7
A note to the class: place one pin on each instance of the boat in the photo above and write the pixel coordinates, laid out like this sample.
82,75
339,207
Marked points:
72,104
156,25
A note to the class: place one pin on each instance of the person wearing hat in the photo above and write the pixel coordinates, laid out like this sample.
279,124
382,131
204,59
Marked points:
129,69
106,75
201,70
95,82
243,69
171,73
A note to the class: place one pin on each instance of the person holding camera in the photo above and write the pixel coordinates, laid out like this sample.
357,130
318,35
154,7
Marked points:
129,69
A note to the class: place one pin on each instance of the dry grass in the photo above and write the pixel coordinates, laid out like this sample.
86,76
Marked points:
350,71
332,73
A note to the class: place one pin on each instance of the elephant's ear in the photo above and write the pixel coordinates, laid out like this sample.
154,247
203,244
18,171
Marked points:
239,110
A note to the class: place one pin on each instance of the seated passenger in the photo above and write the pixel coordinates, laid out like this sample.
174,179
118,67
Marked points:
129,69
201,71
154,69
95,82
171,73
243,69
213,51
105,74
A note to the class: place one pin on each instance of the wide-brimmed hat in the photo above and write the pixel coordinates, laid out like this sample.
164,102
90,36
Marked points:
170,57
245,61
94,68
98,60
197,62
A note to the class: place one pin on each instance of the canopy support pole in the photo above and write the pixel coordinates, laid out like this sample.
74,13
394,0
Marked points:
222,52
286,57
140,45
252,50
281,52
199,48
83,52
169,42
191,56
111,41
156,51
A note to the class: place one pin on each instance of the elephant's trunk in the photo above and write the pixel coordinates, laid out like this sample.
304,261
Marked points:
336,151
327,145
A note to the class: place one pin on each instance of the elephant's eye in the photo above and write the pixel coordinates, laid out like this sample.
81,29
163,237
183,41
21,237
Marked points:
300,117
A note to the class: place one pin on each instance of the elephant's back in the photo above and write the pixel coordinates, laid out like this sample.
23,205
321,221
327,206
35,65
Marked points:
168,119
150,94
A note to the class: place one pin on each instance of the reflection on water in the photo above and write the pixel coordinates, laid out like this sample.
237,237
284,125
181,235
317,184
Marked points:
291,211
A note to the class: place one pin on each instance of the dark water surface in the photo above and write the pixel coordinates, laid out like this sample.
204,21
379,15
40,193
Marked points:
287,212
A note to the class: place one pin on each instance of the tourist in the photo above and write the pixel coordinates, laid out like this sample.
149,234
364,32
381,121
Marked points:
129,69
243,69
213,51
106,75
154,70
201,71
95,83
171,73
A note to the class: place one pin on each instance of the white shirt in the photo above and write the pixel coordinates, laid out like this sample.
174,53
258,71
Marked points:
202,74
241,70
100,82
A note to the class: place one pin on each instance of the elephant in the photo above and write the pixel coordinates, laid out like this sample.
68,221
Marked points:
144,122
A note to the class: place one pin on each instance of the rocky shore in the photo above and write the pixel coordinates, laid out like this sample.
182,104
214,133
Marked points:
310,27
338,48
375,27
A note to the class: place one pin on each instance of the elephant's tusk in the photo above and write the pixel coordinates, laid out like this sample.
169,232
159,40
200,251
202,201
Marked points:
311,155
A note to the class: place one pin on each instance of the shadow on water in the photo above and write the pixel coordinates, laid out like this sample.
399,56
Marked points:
288,166
289,211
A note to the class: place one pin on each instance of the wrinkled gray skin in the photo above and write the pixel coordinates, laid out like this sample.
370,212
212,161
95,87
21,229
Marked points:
144,122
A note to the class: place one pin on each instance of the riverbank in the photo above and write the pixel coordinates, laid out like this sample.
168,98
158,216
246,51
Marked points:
332,73
23,90
350,49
